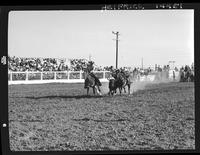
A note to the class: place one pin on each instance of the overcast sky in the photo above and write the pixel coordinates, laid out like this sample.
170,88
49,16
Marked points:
157,36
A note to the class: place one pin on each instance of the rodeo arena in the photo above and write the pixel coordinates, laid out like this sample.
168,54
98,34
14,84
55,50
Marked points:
75,105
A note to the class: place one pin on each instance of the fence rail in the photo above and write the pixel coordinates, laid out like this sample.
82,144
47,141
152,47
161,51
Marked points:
74,77
52,76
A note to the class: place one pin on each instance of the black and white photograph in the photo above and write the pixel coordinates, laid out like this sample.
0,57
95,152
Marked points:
101,80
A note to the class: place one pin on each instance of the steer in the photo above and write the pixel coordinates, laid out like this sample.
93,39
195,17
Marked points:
113,85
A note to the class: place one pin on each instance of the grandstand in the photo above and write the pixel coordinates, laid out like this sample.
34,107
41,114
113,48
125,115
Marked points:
48,70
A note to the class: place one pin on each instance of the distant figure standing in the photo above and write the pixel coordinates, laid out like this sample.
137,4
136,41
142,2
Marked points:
174,76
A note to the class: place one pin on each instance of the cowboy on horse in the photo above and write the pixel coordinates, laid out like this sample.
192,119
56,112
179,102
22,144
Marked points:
121,80
89,70
91,80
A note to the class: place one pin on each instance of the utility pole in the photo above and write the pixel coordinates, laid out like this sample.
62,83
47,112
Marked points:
142,62
117,34
172,62
90,57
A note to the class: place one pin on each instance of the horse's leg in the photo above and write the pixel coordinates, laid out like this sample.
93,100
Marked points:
87,90
93,90
120,90
109,92
98,90
124,89
129,86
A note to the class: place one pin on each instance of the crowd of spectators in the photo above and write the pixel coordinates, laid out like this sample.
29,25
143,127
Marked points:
78,64
187,68
36,64
50,64
53,64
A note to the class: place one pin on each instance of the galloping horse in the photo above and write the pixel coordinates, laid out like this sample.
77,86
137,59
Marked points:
92,81
125,80
122,80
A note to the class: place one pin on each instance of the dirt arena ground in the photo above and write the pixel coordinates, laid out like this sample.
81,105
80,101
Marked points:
51,117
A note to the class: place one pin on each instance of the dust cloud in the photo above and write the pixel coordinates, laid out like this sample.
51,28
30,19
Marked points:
142,83
160,77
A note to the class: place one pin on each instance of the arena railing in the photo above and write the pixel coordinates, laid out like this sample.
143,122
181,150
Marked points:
30,77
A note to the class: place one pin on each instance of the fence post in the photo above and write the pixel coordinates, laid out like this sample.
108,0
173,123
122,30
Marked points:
10,76
80,74
104,74
54,75
41,75
26,76
68,74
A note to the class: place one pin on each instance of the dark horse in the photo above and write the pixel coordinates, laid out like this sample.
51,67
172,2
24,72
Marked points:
186,76
125,80
189,76
92,81
121,81
113,85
